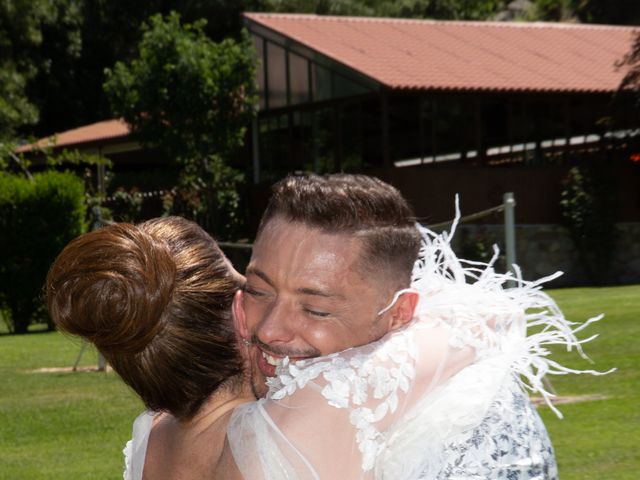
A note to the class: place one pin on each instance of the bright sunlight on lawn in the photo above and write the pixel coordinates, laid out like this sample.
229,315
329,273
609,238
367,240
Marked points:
599,439
74,425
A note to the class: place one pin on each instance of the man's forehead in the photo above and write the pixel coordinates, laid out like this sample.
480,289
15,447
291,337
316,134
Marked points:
282,227
305,253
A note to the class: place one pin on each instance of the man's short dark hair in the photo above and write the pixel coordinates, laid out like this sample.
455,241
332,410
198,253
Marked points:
357,205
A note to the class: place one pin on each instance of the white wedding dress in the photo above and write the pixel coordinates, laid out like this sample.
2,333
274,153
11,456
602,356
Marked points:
442,398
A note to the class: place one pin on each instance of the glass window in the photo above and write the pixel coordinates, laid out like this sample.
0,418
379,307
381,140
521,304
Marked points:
454,128
321,83
404,132
351,127
494,122
276,75
343,87
298,79
372,151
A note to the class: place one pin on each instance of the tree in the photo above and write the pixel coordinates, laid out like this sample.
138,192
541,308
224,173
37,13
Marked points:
588,211
443,9
53,53
625,107
39,215
20,33
39,43
615,12
191,98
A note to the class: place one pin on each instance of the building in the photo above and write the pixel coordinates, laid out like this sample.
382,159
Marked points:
441,107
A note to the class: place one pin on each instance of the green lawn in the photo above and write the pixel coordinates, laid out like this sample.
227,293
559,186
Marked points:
74,425
600,439
59,425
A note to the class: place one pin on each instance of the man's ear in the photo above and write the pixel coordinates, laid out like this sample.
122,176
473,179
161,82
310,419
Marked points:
239,318
402,311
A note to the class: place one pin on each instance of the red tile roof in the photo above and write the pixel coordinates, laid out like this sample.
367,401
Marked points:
100,131
452,55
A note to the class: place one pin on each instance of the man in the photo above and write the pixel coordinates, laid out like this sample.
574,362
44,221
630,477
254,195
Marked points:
330,253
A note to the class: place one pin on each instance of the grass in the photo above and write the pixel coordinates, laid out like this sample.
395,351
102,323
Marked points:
74,425
59,425
599,439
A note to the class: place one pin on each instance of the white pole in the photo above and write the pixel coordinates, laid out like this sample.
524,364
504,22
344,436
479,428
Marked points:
510,230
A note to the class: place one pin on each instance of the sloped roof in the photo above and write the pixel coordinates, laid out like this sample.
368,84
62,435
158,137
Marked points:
100,131
454,55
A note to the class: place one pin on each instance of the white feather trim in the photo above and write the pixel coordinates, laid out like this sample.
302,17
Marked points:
484,311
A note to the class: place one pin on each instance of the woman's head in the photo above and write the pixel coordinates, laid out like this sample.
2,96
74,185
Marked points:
156,300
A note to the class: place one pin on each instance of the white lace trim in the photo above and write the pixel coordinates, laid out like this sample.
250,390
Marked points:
128,453
349,382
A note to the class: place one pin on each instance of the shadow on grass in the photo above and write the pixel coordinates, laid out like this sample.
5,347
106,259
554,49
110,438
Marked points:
34,329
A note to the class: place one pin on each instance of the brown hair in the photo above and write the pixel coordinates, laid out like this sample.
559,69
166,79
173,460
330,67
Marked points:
356,205
156,300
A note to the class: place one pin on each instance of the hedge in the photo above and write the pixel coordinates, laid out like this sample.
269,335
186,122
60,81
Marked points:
37,219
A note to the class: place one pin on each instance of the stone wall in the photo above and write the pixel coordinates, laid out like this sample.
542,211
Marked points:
542,249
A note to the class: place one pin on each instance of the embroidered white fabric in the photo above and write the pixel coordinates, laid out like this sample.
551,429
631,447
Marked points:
443,397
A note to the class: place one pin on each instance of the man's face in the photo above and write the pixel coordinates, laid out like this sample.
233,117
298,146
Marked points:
305,295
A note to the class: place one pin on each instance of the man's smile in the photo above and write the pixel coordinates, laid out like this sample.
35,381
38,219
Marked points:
271,360
268,362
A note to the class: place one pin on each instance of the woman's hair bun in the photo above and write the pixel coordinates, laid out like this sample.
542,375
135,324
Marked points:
117,304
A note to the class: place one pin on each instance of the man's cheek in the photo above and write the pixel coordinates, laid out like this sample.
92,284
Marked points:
327,339
252,315
258,380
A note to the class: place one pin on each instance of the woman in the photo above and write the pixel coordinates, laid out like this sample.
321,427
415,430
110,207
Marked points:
157,299
160,301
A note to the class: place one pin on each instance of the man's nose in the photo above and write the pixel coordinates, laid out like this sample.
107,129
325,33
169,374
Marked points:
277,326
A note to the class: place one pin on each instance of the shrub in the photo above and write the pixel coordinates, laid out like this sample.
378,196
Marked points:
588,211
37,219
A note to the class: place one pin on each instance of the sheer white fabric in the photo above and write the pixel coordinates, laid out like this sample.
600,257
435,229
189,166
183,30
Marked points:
136,448
442,398
350,415
421,401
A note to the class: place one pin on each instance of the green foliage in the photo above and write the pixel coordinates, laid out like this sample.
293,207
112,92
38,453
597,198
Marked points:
19,33
610,12
192,99
476,244
15,107
185,93
9,161
627,100
551,10
126,205
442,9
53,52
209,193
587,210
38,217
39,39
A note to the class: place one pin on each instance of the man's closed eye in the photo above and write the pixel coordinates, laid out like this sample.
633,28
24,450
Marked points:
316,313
